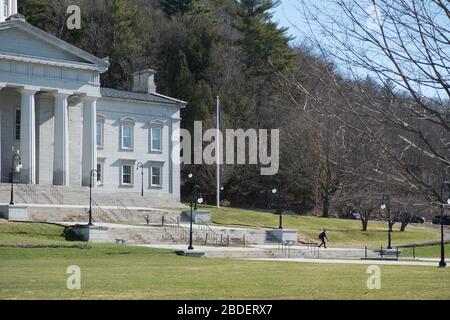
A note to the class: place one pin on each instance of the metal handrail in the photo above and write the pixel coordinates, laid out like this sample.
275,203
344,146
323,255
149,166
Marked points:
124,210
33,194
209,233
23,190
178,228
56,194
98,207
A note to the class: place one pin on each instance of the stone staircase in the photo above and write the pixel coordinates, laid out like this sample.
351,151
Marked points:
60,204
284,252
48,194
154,235
252,254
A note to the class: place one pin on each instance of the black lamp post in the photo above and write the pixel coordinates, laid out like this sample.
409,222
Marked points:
196,196
140,165
386,204
280,204
15,159
93,172
445,187
191,176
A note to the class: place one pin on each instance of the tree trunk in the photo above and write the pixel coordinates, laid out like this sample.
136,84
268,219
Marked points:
403,226
365,223
326,207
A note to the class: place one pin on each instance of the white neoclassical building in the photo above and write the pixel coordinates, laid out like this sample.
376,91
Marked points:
63,124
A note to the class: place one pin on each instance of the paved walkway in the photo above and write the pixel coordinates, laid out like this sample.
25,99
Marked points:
418,262
366,262
354,253
143,225
197,248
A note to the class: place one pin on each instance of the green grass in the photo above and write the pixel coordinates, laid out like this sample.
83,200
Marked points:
31,234
341,232
427,251
123,272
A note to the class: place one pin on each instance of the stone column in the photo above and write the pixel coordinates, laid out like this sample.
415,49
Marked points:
28,136
89,139
2,177
174,157
13,7
61,138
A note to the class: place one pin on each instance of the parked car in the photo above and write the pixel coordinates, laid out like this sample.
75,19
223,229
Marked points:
351,216
446,220
356,216
417,219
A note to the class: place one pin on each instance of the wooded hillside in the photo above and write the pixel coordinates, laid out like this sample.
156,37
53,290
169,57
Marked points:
233,49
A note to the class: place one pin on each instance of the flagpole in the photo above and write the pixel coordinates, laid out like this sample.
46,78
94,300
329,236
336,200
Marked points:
218,151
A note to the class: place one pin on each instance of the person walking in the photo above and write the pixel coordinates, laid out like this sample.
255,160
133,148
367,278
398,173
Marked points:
322,238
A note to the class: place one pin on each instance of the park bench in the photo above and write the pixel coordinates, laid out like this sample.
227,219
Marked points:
121,241
385,254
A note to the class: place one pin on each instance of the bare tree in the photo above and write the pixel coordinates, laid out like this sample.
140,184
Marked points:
402,107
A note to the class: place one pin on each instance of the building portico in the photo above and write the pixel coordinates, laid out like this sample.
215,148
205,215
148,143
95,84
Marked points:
31,135
64,125
50,68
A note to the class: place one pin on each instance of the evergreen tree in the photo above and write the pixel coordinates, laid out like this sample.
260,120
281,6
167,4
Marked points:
39,13
126,46
174,7
181,77
265,42
200,104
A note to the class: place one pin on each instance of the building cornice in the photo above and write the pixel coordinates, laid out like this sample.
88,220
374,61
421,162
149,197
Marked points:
50,62
50,39
152,103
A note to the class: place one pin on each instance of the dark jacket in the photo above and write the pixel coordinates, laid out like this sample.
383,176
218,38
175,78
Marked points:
323,236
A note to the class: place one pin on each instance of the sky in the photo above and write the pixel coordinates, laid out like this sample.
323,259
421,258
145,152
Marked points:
287,15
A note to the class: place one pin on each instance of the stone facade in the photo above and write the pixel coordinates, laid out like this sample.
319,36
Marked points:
57,118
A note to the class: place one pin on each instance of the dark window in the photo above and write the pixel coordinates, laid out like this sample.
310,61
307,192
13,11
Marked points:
17,127
127,174
99,173
156,176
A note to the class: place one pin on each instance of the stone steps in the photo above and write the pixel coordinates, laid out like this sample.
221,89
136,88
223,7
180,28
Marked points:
45,194
251,254
150,235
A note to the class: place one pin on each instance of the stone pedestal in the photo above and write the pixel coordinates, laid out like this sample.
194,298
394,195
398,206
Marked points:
91,233
198,216
191,253
283,235
14,213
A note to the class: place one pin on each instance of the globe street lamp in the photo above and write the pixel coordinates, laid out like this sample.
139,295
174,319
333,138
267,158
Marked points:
16,166
386,204
281,211
191,176
445,188
196,197
140,165
93,174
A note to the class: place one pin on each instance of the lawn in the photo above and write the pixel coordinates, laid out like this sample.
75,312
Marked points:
427,251
123,272
341,232
31,234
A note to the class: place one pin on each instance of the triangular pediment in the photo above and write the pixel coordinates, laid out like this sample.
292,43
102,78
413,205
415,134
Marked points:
18,38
